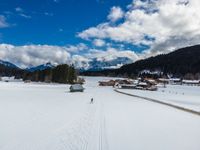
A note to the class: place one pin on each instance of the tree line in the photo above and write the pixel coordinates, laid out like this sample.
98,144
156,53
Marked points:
183,63
10,71
60,74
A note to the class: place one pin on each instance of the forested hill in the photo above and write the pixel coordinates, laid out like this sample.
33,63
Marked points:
10,70
59,74
179,63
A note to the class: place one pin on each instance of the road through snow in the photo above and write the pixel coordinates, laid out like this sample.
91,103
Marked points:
48,117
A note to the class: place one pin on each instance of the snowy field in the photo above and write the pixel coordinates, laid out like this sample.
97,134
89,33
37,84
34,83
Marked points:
180,95
47,117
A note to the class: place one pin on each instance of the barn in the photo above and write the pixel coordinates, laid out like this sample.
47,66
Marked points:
76,88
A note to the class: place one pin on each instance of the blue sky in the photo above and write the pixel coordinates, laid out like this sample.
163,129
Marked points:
33,32
52,22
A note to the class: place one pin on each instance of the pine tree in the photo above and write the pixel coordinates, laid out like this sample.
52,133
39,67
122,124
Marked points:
72,77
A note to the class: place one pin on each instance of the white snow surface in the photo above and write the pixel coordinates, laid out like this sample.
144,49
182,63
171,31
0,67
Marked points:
180,95
37,116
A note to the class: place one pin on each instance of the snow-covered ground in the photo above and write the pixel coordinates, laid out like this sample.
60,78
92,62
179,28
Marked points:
47,117
180,95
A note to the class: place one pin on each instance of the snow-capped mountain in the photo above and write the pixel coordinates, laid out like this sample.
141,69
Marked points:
8,64
96,64
41,67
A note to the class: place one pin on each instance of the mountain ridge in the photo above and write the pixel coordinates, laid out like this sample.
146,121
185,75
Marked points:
41,67
179,63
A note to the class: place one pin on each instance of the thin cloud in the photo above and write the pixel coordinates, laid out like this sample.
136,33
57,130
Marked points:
19,9
3,22
48,14
56,1
25,16
22,13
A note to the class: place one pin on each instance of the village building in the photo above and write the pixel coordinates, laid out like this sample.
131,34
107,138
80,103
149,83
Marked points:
76,88
151,81
107,83
127,86
140,85
163,80
175,81
191,82
115,82
8,79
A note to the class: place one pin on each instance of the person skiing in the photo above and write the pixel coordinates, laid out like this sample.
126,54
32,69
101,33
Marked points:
91,102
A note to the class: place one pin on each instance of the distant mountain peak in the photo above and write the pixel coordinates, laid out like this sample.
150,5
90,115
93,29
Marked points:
41,67
102,64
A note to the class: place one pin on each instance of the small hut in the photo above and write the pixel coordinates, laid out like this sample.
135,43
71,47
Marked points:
76,88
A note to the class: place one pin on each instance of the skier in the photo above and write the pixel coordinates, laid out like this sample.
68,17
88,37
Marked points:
91,102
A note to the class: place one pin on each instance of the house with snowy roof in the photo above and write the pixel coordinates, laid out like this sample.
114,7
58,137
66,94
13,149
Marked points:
76,88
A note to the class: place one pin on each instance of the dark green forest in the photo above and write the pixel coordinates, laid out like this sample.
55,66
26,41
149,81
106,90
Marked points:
183,63
59,74
10,71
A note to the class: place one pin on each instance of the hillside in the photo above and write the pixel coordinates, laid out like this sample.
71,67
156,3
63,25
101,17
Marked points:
9,69
178,63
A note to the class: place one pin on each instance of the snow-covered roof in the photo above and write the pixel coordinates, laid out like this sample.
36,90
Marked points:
150,80
174,79
7,78
142,83
135,81
191,81
171,79
163,79
156,72
77,87
128,85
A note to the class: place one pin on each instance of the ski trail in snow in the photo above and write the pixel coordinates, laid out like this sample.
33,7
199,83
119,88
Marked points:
86,133
103,144
79,134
